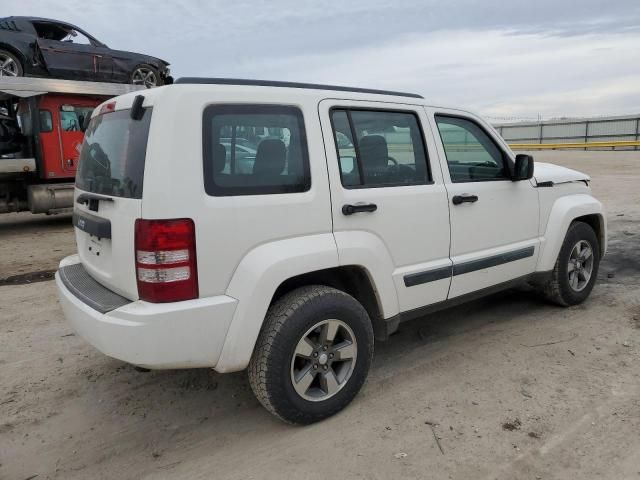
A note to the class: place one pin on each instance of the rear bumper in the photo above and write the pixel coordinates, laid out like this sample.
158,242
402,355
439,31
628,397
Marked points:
153,335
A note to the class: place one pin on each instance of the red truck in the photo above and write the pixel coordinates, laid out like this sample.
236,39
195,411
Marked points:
42,123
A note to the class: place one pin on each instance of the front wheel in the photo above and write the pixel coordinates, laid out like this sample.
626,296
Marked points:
313,354
10,65
576,268
146,75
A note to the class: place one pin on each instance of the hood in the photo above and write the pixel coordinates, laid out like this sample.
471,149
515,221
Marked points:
547,172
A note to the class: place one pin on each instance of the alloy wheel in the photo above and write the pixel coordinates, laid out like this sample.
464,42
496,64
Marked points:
323,360
144,76
8,66
580,266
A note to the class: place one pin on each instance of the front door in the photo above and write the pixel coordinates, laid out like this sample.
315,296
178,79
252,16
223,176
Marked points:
494,220
61,133
71,136
73,57
388,198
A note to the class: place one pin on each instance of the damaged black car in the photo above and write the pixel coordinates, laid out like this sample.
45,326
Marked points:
41,47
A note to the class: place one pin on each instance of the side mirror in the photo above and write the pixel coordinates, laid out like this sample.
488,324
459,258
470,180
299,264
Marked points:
524,167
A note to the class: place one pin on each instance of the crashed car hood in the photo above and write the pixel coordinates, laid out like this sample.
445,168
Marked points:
138,56
547,172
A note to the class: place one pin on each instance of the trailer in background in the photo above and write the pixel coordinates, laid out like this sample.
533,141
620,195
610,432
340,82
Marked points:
42,124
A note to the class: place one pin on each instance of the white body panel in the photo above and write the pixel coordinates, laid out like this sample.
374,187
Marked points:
111,260
367,249
561,212
547,172
255,280
227,228
247,246
153,335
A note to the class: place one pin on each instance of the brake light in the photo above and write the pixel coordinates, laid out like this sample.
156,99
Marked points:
107,107
166,260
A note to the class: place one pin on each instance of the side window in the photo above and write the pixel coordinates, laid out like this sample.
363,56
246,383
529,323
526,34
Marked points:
349,171
69,121
379,148
254,150
74,119
79,38
46,122
60,33
471,153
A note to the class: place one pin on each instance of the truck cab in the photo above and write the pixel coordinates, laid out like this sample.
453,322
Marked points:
52,127
42,123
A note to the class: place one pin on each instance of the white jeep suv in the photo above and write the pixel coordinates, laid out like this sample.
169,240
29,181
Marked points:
282,227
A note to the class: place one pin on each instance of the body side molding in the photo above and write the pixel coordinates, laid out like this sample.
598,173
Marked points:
419,278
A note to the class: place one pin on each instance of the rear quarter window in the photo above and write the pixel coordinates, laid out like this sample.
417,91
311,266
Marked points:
113,154
254,150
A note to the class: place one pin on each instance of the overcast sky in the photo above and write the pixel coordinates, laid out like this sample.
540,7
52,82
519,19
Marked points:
503,58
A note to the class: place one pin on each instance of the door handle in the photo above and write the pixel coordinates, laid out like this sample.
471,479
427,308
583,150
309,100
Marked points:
358,208
464,198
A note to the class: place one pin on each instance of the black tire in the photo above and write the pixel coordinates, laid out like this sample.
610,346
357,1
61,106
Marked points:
558,289
144,66
19,70
286,323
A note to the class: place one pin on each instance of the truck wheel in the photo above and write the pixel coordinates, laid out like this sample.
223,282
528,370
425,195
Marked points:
313,354
10,65
576,268
146,75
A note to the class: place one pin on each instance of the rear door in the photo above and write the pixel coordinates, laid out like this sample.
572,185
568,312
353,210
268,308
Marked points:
386,196
108,197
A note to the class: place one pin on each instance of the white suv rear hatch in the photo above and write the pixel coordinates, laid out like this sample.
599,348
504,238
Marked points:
108,197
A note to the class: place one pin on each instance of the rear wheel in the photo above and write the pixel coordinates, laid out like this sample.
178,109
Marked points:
576,268
10,65
146,75
313,354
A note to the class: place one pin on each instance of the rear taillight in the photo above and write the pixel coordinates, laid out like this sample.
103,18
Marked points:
166,260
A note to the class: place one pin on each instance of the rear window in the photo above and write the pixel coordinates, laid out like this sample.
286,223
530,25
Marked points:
113,154
254,150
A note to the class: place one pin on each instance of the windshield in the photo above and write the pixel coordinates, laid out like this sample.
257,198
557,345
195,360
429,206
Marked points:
113,154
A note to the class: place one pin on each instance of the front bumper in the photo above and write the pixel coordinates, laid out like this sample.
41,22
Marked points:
185,334
165,74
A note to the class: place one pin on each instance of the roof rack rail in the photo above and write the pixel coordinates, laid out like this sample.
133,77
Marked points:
272,83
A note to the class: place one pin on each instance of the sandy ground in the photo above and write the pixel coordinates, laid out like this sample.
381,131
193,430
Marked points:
506,387
33,243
